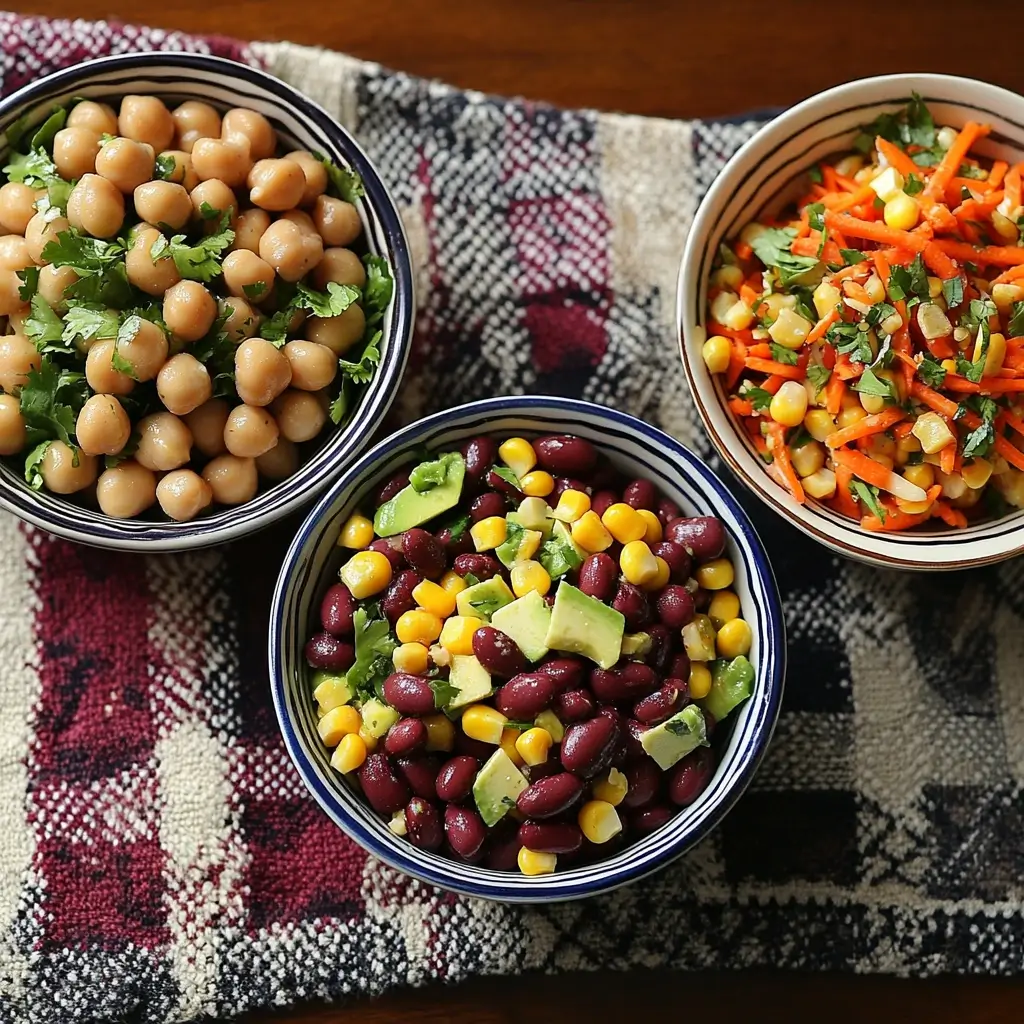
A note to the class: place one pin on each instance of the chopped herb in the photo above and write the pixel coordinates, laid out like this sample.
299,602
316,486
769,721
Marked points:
852,256
83,254
815,175
758,398
878,312
506,474
871,384
869,496
818,376
457,527
87,321
909,281
444,692
781,354
50,401
49,128
1016,324
851,340
361,372
165,167
199,262
913,185
33,463
800,438
44,327
34,169
333,302
978,313
208,212
804,303
347,184
256,289
975,370
374,647
953,291
471,580
378,289
979,441
971,171
878,203
29,278
772,248
931,371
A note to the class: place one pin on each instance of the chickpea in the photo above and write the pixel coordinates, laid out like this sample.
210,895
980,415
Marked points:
302,221
74,151
276,184
17,206
151,276
65,471
226,161
145,351
300,415
183,173
97,117
17,357
243,321
126,163
250,431
103,427
96,206
195,120
12,426
240,123
289,250
314,172
207,426
249,228
189,310
183,494
262,372
280,462
39,233
313,366
14,253
53,283
215,194
146,119
337,221
163,202
341,265
183,384
11,301
338,333
245,274
232,479
126,490
164,441
100,373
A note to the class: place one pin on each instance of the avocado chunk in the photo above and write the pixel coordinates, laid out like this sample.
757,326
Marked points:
519,543
497,786
675,738
636,645
377,717
484,599
583,625
526,621
533,514
470,678
560,553
732,682
434,487
330,690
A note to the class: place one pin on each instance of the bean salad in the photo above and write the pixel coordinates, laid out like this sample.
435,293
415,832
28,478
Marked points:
527,658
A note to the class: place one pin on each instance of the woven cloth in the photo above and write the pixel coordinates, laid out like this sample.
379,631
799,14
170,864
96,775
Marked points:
159,857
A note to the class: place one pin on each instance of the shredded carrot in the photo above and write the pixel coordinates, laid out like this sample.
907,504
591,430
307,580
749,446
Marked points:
777,448
864,467
845,369
895,157
741,407
770,366
762,350
987,255
947,458
773,383
895,521
834,391
939,262
987,385
844,503
1012,187
857,292
953,158
949,515
874,424
819,329
997,173
743,251
901,430
737,355
838,203
876,232
749,296
808,246
1013,274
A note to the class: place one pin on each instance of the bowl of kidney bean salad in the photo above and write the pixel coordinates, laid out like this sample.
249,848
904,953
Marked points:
527,649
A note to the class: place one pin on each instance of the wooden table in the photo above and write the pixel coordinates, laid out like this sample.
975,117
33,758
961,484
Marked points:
672,58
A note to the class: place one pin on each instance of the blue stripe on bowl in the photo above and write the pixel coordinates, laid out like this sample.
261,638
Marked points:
304,124
642,450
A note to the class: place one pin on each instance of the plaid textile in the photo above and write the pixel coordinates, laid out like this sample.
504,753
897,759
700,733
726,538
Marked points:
159,858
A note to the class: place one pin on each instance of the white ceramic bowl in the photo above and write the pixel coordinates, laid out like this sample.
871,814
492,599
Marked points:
302,124
761,177
639,450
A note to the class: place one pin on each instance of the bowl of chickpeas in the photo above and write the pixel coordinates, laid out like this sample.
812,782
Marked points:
206,301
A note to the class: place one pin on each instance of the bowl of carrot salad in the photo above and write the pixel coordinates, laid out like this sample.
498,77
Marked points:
860,325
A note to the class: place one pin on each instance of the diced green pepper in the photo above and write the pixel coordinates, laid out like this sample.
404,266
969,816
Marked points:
732,682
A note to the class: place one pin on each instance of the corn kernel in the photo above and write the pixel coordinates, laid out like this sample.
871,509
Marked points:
887,184
549,722
599,821
624,523
338,722
638,563
590,533
725,605
738,317
488,533
875,289
453,583
456,635
976,473
654,529
440,732
418,627
808,458
820,485
612,788
1005,295
332,692
826,297
533,863
850,415
872,404
717,352
517,453
369,740
356,533
533,745
432,597
995,355
398,826
931,430
949,365
773,304
729,277
483,723
661,577
934,287
790,329
529,544
529,576
572,505
716,574
921,475
901,212
366,573
789,404
509,738
411,658
699,683
349,754
537,484
721,304
913,508
819,424
849,165
734,638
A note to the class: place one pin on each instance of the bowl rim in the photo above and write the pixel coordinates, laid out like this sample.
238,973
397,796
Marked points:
380,210
772,671
912,556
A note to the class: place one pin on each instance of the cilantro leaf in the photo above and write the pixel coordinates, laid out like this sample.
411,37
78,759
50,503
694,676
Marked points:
953,291
909,280
879,312
197,262
347,184
772,248
871,384
378,289
507,475
333,302
50,401
44,327
815,175
44,134
33,462
978,313
931,371
444,692
816,220
1016,324
818,376
339,406
34,169
208,212
254,290
912,126
851,340
29,278
90,321
83,254
852,256
457,527
913,185
979,441
374,647
165,166
971,171
975,370
758,398
781,354
869,496
361,372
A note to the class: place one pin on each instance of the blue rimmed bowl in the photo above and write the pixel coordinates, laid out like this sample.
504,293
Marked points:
638,450
302,124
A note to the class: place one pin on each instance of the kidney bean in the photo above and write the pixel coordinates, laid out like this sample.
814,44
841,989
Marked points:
666,510
409,694
498,653
550,836
409,736
398,597
483,567
640,494
486,505
701,599
678,558
710,723
549,600
423,824
598,576
423,552
675,606
639,679
662,642
643,779
453,548
552,766
632,602
328,652
382,786
588,747
564,455
567,483
702,536
607,686
618,757
502,486
392,486
602,501
472,748
549,797
574,706
649,819
337,609
634,748
391,549
420,773
456,777
567,671
503,852
464,830
479,454
661,704
526,695
690,777
679,668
